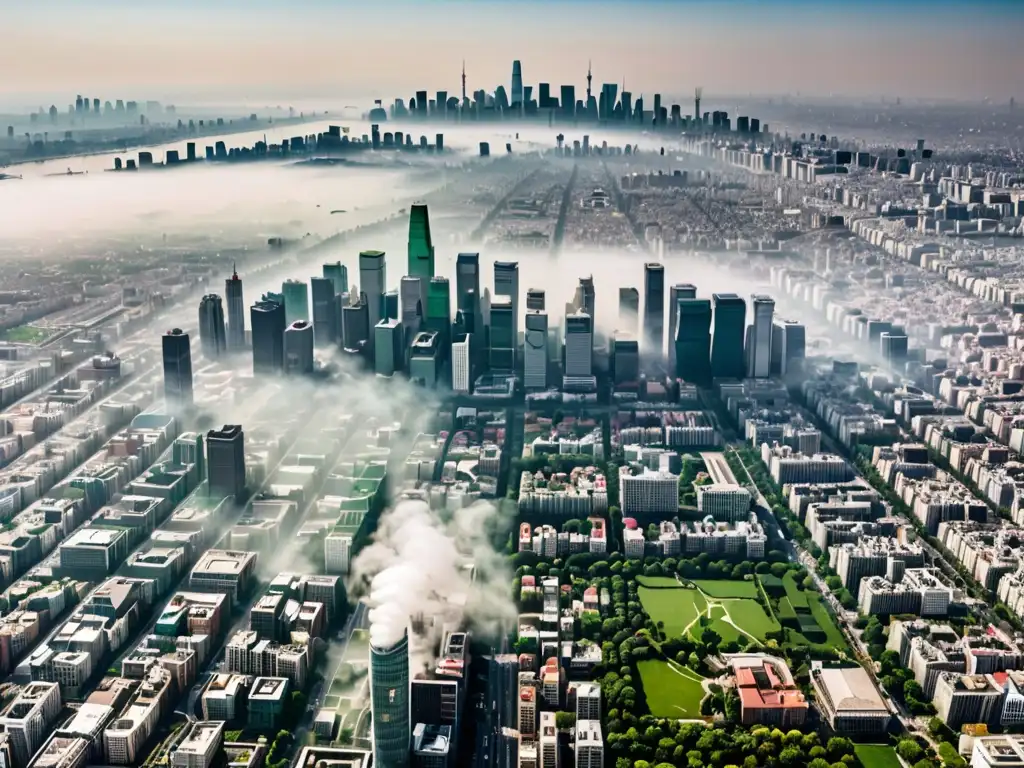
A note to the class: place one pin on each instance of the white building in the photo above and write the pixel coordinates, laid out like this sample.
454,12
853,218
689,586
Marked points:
298,347
633,542
759,343
723,501
535,351
461,368
589,744
29,717
588,701
648,492
200,745
338,552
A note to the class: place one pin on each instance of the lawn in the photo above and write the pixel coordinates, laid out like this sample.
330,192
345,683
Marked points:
26,334
725,588
876,756
671,690
678,608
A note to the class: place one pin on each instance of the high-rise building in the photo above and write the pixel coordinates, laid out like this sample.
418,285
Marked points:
356,323
467,282
462,363
535,351
654,310
439,310
759,348
506,283
212,333
338,274
177,361
296,301
389,702
225,461
568,100
579,345
502,338
535,300
388,347
629,311
693,341
788,345
325,309
413,305
267,321
675,293
421,247
727,359
424,363
373,281
298,347
236,311
625,360
517,85
390,307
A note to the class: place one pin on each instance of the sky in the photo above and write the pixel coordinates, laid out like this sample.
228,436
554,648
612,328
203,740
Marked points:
268,52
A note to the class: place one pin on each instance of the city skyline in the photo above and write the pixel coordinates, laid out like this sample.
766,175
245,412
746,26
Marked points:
733,49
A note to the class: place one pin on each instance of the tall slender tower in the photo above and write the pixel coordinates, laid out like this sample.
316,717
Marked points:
590,77
696,103
212,338
517,84
236,311
463,80
389,700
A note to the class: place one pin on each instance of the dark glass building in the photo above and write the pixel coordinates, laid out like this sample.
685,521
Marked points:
421,247
654,309
212,332
225,461
325,320
693,342
267,320
177,361
236,311
727,358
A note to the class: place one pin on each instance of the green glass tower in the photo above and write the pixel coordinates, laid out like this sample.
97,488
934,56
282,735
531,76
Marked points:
421,249
296,301
727,361
439,309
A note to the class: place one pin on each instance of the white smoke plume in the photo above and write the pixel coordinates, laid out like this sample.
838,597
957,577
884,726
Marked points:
418,574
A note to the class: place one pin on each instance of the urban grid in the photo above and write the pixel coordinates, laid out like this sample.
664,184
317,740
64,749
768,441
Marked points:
600,431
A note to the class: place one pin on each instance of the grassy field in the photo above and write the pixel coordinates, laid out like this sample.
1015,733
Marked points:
671,690
25,334
725,588
876,756
678,608
731,616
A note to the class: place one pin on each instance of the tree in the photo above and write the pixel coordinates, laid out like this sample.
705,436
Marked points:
346,735
565,720
910,751
693,661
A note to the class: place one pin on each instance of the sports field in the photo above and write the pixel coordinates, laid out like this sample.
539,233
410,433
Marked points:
728,604
670,689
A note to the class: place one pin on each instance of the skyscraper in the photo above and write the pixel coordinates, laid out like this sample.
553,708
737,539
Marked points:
517,85
267,321
356,323
389,701
296,300
675,293
467,278
325,320
421,247
788,346
535,351
439,310
502,352
338,273
579,345
462,363
629,311
693,341
225,461
177,361
373,279
388,347
587,288
236,311
654,310
506,283
727,359
759,352
298,347
625,361
212,334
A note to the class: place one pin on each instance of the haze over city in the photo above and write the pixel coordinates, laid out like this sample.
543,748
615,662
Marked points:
512,384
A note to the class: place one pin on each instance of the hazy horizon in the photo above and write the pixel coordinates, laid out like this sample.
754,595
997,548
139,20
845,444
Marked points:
324,53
